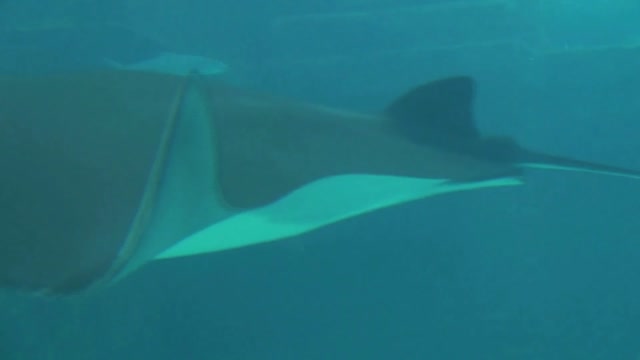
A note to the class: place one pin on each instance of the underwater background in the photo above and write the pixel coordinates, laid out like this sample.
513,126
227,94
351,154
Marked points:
548,270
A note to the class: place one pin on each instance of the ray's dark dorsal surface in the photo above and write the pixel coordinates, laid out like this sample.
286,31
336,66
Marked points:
104,172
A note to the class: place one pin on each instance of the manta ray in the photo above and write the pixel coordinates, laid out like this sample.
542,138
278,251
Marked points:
104,172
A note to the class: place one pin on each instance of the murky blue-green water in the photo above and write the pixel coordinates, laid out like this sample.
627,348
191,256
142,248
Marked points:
545,271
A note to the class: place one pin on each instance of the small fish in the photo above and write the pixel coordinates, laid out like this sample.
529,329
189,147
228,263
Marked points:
174,64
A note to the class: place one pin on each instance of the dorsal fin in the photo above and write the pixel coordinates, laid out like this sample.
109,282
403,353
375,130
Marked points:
436,113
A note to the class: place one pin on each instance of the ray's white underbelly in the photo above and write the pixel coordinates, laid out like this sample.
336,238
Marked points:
318,204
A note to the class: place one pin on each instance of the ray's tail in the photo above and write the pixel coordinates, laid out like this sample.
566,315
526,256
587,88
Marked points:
530,159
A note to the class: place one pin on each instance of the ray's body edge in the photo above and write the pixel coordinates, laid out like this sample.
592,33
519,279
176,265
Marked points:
148,199
182,195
